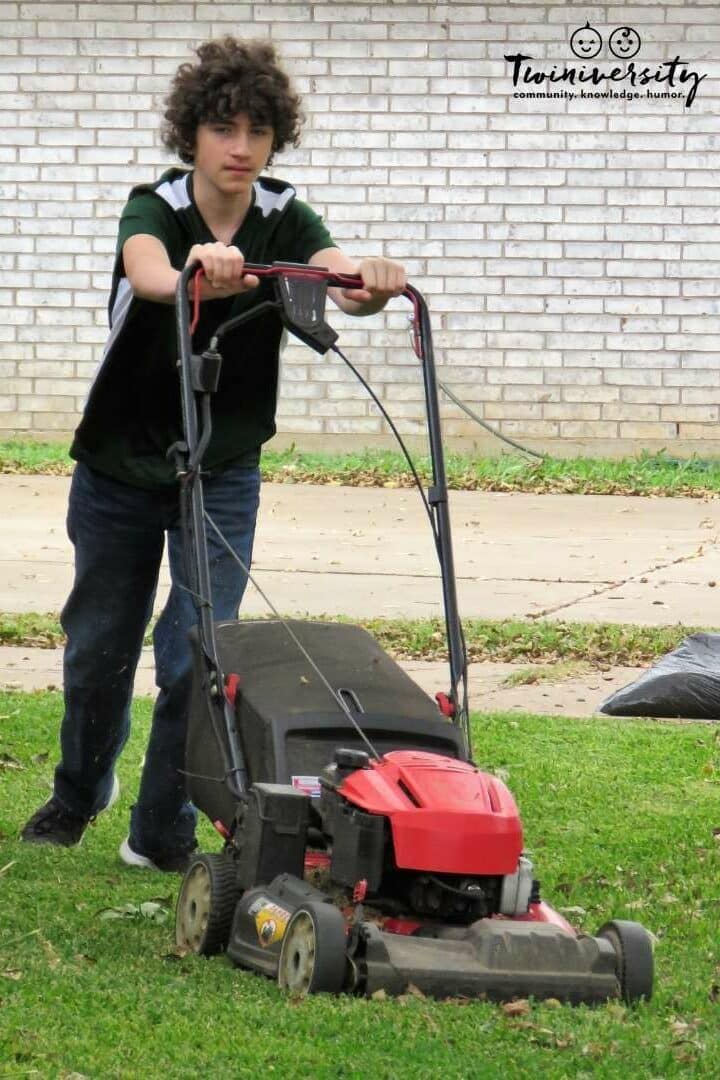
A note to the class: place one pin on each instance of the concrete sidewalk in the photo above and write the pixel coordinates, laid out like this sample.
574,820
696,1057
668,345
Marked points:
369,551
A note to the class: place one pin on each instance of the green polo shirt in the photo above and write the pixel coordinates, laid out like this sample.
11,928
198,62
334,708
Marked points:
133,413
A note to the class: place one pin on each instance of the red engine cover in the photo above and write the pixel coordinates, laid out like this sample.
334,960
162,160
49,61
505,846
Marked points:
446,816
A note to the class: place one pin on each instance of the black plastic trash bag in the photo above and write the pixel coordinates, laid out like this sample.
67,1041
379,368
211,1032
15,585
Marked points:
684,683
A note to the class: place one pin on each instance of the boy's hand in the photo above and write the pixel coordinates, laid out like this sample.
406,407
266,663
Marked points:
224,273
382,279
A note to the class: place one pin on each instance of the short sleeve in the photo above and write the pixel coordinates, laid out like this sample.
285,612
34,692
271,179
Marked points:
149,215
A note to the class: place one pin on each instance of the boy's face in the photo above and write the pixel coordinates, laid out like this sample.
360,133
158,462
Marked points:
231,154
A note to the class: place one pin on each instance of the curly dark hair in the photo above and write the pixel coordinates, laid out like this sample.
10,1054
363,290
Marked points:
232,77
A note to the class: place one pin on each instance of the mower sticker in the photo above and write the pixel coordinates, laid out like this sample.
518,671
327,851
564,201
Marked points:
270,920
309,785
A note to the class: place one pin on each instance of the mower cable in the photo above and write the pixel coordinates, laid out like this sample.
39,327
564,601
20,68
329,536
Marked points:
398,436
433,525
466,701
493,431
467,894
294,637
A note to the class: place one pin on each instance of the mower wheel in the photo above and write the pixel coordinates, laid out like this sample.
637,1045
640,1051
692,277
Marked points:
313,958
206,904
634,953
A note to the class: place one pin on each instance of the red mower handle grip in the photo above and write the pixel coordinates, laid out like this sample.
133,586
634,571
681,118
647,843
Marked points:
295,270
301,270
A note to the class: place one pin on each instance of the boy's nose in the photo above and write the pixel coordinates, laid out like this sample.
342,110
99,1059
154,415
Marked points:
240,146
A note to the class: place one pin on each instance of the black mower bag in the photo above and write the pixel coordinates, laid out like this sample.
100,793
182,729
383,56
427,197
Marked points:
288,723
685,683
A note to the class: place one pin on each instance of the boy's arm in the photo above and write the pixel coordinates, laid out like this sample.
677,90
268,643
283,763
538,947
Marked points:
149,271
152,277
382,279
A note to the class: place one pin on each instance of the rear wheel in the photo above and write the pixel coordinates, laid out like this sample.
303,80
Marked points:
634,954
206,904
313,957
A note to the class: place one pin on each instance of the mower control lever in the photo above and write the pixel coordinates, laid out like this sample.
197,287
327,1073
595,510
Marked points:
303,310
205,371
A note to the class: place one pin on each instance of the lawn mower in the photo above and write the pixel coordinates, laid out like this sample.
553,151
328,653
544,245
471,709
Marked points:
363,850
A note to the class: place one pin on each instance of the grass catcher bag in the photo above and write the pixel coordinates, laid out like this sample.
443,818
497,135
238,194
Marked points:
685,683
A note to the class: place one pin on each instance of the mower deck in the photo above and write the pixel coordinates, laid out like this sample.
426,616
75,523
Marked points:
381,906
493,958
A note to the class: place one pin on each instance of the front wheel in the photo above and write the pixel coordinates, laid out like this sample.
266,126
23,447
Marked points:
313,956
206,904
634,956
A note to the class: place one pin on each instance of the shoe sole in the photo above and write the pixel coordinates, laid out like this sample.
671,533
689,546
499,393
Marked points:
177,864
131,858
114,795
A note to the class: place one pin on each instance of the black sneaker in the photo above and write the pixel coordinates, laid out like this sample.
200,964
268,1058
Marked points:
54,824
170,862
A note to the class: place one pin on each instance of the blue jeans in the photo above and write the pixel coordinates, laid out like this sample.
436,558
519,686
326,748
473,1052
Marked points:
118,532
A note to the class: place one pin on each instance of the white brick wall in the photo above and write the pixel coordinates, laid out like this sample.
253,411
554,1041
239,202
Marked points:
569,250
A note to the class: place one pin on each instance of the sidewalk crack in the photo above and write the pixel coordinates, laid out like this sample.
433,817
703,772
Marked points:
710,542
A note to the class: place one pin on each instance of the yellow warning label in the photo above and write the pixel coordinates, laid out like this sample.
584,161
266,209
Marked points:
270,921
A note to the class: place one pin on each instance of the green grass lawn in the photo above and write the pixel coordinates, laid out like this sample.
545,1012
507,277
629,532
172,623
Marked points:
507,640
646,474
622,819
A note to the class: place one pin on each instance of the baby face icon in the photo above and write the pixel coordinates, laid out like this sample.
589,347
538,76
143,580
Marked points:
624,42
586,42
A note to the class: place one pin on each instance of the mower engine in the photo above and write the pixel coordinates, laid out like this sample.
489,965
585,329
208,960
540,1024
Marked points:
426,834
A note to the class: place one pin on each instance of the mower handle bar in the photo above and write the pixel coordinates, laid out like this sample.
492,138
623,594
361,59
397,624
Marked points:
296,270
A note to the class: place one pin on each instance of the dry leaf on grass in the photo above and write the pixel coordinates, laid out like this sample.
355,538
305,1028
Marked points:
149,909
50,954
178,952
7,761
516,1008
682,1028
593,1049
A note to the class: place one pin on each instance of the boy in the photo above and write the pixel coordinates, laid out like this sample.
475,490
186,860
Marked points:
226,115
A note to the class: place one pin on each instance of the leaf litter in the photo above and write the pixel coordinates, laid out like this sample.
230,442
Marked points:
154,910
